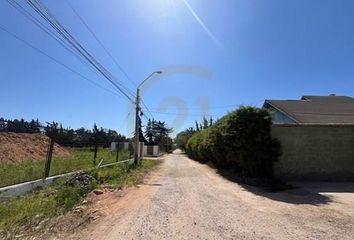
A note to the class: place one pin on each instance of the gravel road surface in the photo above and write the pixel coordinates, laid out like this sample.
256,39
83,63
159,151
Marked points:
184,199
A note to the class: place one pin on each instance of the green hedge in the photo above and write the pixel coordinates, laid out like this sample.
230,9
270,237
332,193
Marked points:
183,137
240,140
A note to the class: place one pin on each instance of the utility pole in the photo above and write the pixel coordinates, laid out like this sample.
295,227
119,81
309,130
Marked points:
137,123
137,120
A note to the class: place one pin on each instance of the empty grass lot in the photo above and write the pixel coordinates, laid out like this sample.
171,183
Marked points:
80,159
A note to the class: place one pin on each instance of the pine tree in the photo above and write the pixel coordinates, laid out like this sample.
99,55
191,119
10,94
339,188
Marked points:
205,123
3,125
149,134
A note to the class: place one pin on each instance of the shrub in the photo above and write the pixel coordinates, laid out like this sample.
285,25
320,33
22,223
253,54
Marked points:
183,137
193,146
240,140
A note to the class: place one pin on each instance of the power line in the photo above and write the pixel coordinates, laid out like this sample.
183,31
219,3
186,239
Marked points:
124,120
182,114
56,61
48,31
158,111
101,44
145,116
212,107
147,109
62,32
35,21
66,40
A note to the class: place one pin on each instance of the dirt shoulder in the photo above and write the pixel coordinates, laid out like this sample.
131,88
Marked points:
188,200
72,203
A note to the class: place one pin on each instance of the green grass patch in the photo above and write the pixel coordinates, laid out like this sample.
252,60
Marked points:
123,174
28,210
34,207
80,159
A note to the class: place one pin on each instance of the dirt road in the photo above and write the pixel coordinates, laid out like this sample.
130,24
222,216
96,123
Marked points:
188,200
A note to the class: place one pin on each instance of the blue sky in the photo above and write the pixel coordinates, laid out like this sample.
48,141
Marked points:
216,55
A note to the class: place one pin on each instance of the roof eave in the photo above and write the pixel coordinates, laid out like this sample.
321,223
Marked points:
282,111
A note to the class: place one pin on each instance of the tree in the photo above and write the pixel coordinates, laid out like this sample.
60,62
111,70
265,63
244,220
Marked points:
19,126
160,130
141,134
65,136
97,135
148,133
211,121
183,137
166,143
82,137
3,125
155,131
205,123
51,129
34,126
197,126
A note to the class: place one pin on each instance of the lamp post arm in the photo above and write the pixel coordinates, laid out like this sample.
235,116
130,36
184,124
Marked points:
148,78
137,120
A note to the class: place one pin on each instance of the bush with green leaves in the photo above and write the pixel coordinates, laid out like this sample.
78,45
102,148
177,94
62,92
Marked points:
241,139
183,137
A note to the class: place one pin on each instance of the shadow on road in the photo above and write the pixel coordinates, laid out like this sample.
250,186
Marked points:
326,186
153,184
279,191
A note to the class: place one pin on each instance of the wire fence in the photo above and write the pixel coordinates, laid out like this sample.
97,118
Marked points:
37,156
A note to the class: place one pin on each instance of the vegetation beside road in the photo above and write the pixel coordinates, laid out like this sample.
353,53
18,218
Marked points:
182,138
240,140
80,137
28,211
80,159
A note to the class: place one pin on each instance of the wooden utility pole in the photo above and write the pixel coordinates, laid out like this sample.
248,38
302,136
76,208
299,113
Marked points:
137,120
137,125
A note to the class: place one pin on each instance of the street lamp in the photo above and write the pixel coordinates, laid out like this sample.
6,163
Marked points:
137,110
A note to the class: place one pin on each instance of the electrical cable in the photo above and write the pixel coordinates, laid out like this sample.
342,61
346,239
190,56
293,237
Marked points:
62,32
56,61
146,108
100,42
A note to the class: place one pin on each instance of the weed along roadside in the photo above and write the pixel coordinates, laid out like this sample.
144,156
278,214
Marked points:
29,214
176,119
79,159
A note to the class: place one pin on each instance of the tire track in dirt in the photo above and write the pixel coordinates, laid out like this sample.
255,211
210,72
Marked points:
188,200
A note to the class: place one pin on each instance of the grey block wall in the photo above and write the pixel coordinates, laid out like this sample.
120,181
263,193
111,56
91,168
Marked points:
315,152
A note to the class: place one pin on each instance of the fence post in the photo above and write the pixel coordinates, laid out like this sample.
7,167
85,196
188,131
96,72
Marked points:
95,155
49,158
117,155
51,132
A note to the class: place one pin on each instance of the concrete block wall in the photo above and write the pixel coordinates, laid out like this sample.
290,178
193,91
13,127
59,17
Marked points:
312,152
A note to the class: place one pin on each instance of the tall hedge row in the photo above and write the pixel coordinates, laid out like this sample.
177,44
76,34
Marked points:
240,140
